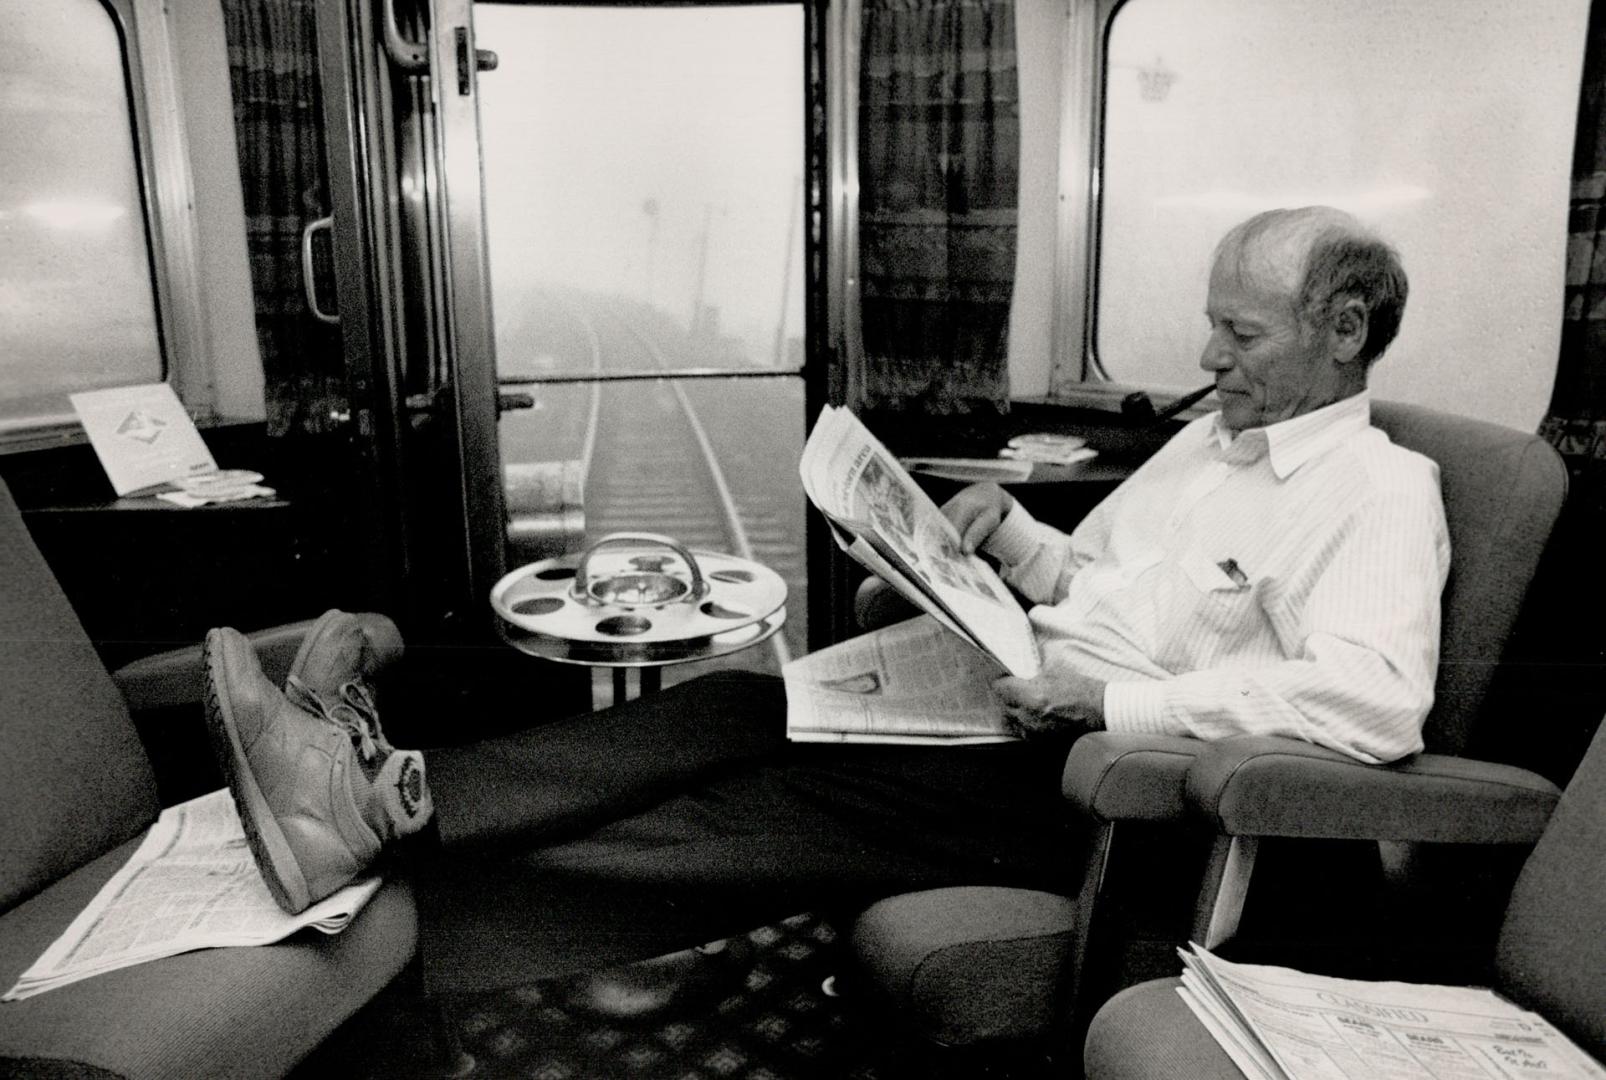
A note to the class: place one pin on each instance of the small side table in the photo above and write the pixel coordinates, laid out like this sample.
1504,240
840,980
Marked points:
642,601
647,661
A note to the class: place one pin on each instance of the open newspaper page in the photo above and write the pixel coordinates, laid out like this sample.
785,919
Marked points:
866,553
913,682
868,496
1280,1023
191,884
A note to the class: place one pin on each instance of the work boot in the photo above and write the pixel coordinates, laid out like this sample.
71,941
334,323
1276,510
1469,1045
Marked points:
336,662
319,792
340,649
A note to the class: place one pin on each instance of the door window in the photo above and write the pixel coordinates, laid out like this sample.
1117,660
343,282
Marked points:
643,203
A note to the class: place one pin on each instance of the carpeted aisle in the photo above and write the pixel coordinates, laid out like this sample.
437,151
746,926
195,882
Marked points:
769,1023
766,1018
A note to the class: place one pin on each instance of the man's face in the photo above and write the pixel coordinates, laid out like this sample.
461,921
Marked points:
1268,365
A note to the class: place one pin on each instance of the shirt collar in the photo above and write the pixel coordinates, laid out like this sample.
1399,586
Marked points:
1291,443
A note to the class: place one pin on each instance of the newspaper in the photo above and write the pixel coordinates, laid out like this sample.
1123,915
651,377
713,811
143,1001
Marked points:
1284,1024
882,518
192,884
914,682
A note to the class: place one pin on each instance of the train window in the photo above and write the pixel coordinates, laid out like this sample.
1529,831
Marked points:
653,159
1448,125
643,175
78,303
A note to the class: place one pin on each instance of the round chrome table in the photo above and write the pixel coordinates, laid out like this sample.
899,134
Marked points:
642,601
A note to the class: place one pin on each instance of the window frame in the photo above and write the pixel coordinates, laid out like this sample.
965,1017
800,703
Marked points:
820,283
1078,374
1079,155
167,195
1074,337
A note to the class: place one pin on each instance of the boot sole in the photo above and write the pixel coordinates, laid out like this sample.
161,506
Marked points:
274,856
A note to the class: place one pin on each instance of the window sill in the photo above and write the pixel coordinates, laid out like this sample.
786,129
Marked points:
61,472
67,433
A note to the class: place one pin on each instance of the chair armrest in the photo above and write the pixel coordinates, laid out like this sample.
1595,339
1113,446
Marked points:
1258,785
176,677
1128,777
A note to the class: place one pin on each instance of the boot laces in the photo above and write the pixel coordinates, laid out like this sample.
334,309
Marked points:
354,712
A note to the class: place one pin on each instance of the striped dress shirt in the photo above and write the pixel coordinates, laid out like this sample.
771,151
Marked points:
1283,581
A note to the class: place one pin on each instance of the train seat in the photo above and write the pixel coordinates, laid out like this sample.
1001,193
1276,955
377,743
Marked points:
80,792
1550,955
948,961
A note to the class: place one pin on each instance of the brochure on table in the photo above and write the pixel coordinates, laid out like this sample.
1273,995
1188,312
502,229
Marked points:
143,436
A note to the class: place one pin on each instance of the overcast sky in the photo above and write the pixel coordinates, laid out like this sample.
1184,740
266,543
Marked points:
614,137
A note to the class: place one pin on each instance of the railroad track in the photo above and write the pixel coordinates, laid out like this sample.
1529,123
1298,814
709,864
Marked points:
712,463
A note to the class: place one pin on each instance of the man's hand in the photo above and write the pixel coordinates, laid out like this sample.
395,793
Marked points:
976,512
1055,701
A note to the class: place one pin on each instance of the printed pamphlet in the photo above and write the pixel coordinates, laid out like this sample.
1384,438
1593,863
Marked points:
142,435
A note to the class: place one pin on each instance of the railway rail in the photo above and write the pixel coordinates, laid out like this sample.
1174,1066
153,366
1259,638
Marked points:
709,461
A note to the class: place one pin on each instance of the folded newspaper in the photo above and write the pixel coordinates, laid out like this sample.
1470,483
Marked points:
914,682
1286,1025
881,517
192,884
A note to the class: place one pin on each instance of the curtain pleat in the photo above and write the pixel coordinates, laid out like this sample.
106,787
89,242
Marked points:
939,141
273,75
1576,424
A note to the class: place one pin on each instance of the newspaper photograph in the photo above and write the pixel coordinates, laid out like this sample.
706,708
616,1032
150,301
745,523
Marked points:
191,884
1281,1023
914,682
867,495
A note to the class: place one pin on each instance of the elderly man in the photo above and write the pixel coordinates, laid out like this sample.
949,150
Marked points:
1276,567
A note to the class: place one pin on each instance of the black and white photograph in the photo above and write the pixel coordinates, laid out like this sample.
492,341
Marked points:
802,539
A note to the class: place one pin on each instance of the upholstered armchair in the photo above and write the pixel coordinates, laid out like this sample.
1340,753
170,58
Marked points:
1550,955
968,966
81,787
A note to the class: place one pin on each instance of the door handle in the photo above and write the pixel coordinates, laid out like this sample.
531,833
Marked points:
406,55
508,402
309,284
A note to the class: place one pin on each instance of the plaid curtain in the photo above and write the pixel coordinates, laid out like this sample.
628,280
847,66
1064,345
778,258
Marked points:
1576,424
278,119
939,139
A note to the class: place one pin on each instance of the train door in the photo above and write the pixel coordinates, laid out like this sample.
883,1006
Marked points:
646,170
399,114
583,264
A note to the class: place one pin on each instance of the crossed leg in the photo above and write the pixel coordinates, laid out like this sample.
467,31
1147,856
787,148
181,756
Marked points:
686,816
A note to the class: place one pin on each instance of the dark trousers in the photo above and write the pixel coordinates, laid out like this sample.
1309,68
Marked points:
686,816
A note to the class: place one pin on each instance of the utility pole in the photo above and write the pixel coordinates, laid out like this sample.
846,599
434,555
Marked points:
702,267
794,212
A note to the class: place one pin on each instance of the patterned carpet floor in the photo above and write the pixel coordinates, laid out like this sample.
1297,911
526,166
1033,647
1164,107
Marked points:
771,1021
768,1018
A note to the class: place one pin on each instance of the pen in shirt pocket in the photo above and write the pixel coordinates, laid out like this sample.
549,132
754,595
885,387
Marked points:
1231,568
